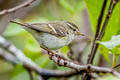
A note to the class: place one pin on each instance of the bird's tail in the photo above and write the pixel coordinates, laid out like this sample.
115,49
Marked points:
22,24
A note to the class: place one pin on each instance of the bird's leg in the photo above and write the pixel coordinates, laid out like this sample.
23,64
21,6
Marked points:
56,54
50,52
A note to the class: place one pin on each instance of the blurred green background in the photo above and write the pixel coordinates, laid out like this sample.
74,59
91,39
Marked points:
83,13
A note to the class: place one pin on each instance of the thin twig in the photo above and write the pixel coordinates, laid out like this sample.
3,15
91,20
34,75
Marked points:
20,58
99,35
110,10
117,66
17,57
81,68
42,72
95,45
7,56
29,2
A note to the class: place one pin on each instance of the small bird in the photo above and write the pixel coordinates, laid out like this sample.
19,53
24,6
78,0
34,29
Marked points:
52,35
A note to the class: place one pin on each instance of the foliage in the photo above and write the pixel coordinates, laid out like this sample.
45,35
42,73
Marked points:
113,22
70,10
113,45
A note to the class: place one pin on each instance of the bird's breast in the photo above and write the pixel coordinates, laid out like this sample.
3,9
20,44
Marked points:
52,42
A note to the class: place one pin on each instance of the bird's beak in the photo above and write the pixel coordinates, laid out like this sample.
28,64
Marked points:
80,34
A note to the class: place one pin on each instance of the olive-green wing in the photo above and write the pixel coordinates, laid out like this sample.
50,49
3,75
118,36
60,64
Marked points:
57,28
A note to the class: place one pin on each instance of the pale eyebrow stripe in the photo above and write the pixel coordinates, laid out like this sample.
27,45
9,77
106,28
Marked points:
70,25
49,25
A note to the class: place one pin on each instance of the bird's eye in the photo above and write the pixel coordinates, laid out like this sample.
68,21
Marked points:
74,29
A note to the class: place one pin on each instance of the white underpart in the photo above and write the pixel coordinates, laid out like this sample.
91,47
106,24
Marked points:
52,42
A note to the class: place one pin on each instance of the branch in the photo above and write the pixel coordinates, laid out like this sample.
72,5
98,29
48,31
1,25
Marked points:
44,73
7,56
29,2
117,66
95,45
20,58
99,34
17,57
110,10
81,68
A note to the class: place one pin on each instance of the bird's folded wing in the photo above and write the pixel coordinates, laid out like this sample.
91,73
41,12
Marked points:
55,28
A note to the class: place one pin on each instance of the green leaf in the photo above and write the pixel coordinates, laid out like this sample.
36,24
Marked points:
112,45
116,50
64,50
113,24
105,52
20,72
23,75
113,27
43,60
115,41
32,48
94,12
